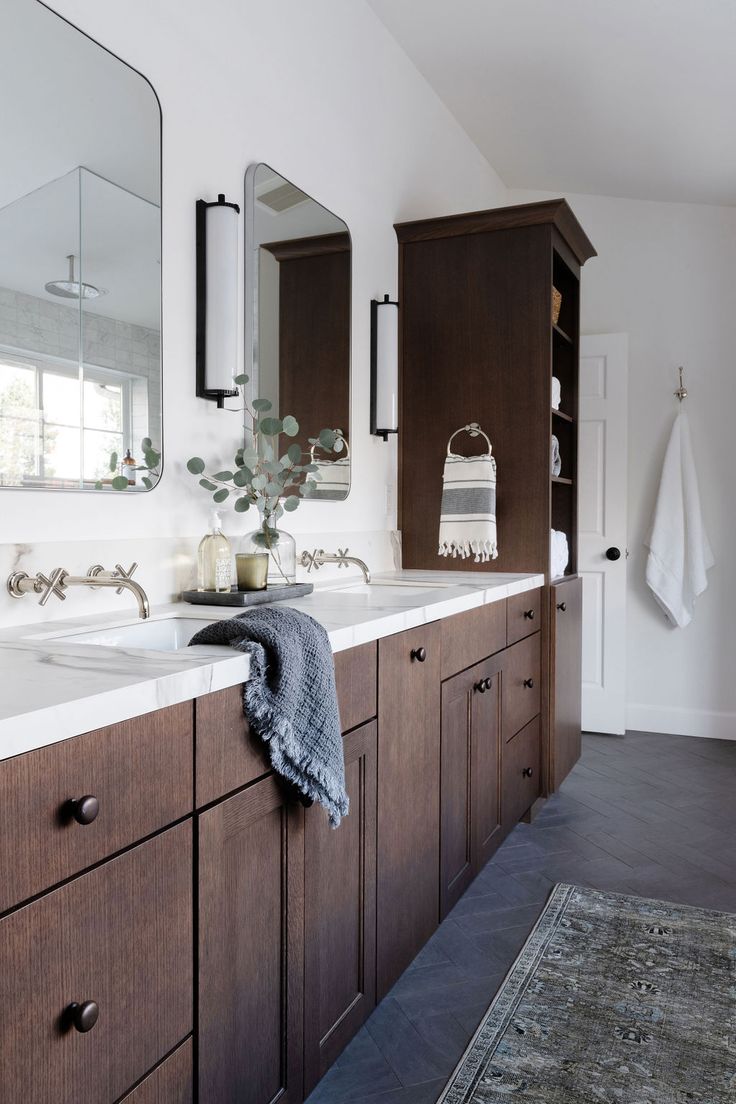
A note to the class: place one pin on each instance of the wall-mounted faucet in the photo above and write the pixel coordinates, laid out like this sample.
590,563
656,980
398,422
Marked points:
57,583
319,557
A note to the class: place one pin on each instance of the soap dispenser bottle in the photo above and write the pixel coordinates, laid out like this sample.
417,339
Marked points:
214,559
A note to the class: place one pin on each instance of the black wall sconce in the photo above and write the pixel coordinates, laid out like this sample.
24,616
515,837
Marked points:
384,367
217,299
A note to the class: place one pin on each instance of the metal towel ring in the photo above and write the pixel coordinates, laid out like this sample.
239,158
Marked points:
475,431
340,455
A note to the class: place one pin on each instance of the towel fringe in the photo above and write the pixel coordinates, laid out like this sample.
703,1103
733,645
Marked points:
482,551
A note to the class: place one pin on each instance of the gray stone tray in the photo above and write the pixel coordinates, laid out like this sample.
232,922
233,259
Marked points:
237,597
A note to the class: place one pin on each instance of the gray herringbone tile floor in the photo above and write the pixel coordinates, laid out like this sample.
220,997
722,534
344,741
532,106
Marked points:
646,814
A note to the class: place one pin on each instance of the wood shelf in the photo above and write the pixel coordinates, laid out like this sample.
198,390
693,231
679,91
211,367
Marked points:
561,333
561,414
561,479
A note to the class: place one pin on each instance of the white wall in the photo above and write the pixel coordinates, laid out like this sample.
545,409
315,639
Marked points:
321,92
665,274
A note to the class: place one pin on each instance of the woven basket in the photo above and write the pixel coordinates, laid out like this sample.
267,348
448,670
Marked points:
556,305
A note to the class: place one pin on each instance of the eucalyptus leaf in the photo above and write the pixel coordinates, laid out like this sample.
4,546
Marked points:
223,476
273,490
290,426
327,438
291,503
294,453
271,426
208,486
242,477
147,482
98,485
113,461
262,404
196,465
338,445
152,458
146,443
221,495
241,380
259,482
120,483
241,505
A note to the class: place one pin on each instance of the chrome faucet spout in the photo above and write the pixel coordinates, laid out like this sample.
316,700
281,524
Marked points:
59,581
112,580
319,557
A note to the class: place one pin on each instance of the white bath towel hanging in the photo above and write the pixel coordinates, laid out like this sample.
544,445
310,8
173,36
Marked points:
679,551
468,510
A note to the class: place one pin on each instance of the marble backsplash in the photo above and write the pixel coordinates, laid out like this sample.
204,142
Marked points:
166,566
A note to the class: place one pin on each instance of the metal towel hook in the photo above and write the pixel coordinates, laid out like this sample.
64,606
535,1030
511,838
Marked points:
475,431
681,392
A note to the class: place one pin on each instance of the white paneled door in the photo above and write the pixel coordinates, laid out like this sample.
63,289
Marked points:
602,471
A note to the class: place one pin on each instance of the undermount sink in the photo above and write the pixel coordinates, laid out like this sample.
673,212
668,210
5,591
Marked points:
167,634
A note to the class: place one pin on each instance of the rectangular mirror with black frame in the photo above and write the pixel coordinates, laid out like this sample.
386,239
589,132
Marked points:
80,262
298,314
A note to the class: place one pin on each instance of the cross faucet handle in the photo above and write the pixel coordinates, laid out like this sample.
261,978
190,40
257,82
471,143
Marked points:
54,584
121,573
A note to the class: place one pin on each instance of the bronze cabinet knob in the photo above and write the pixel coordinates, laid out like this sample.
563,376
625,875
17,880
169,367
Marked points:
419,654
529,614
84,809
562,606
83,1016
527,772
481,686
529,683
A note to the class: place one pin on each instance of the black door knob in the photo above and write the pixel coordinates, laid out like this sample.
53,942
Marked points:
84,809
527,772
419,654
529,683
83,1016
613,553
484,685
529,614
562,606
488,682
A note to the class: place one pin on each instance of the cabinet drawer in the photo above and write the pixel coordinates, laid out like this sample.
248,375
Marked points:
229,755
356,675
119,936
171,1083
139,772
523,615
521,679
521,788
470,637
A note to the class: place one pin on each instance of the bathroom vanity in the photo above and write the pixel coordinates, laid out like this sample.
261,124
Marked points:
174,922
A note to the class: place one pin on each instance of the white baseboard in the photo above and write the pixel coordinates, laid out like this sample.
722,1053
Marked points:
676,721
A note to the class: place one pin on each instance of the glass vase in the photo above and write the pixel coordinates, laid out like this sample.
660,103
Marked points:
281,548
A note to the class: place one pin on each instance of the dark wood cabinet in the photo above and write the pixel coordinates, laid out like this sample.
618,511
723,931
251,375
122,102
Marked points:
170,1083
566,613
340,913
251,941
120,938
408,798
521,773
470,820
479,343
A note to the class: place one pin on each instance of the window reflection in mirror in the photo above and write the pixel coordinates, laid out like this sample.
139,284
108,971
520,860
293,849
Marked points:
298,292
80,261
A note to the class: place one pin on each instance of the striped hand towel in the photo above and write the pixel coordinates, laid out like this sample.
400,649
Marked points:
468,511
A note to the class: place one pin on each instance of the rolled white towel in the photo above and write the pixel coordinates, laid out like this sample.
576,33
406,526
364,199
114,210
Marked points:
556,393
556,459
559,554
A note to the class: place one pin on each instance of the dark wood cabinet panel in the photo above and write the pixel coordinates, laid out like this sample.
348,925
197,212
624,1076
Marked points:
170,1083
522,677
340,913
408,797
139,772
566,614
251,942
470,637
470,778
520,772
229,755
119,936
523,615
356,677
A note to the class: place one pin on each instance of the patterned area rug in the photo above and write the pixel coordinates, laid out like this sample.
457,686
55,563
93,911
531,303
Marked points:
615,999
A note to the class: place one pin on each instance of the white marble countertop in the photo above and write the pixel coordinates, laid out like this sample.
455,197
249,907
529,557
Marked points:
53,688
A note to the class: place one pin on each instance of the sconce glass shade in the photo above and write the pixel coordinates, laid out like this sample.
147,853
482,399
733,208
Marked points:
384,367
217,299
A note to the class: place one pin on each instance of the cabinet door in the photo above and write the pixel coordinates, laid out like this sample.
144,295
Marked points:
340,913
566,619
408,798
469,779
251,898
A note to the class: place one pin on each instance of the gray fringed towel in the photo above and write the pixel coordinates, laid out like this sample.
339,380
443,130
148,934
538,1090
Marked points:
290,699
